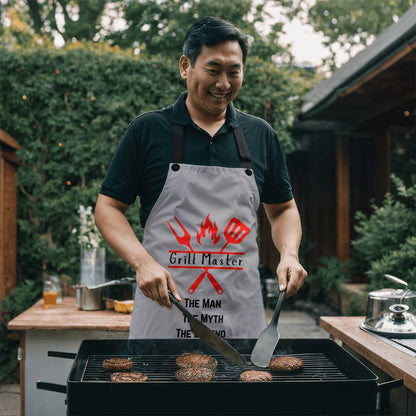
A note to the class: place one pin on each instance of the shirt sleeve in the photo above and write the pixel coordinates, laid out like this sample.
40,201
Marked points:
122,179
277,188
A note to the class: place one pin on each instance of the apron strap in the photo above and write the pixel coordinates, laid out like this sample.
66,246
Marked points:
178,141
178,138
245,155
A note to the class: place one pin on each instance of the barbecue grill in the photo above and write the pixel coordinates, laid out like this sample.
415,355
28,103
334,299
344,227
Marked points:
332,382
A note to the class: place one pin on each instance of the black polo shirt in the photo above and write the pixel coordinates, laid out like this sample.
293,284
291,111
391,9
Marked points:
140,163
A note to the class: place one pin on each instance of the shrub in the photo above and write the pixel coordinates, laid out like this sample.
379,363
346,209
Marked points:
331,273
386,241
68,110
400,262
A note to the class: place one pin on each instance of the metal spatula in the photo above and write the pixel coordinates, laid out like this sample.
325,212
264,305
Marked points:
210,338
268,339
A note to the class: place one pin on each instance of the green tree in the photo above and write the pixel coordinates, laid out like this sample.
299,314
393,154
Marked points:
69,19
350,25
152,27
160,27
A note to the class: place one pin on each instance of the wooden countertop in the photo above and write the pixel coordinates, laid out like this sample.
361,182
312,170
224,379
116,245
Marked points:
397,364
67,316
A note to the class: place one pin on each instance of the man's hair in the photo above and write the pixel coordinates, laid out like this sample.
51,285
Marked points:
210,31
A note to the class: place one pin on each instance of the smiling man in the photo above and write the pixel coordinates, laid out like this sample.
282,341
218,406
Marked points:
201,168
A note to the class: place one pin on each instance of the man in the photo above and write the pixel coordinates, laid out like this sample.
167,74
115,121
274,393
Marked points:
201,168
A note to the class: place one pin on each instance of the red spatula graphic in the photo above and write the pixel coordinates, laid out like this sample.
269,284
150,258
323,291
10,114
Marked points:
235,232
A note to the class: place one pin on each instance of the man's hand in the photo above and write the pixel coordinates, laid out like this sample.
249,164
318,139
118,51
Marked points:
291,275
154,281
287,233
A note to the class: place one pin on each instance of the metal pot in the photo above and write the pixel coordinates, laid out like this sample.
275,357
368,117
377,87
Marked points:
90,298
390,312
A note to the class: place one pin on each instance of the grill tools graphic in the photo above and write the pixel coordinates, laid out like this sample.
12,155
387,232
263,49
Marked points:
234,233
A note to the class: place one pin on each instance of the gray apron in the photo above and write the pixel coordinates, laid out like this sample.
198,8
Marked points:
203,230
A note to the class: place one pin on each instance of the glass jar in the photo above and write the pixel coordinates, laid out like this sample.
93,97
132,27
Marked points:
49,294
92,266
57,282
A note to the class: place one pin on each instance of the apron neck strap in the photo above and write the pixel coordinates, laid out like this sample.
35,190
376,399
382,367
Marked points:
178,141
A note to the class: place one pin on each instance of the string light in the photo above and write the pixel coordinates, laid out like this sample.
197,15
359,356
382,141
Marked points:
69,183
57,71
60,144
24,97
406,113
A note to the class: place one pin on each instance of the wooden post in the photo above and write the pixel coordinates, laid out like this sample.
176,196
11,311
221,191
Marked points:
342,198
382,183
8,213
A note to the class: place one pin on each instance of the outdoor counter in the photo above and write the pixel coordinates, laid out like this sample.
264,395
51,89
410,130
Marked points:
61,328
380,355
67,316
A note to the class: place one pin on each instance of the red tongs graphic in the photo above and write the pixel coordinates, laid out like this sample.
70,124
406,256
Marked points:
186,239
211,278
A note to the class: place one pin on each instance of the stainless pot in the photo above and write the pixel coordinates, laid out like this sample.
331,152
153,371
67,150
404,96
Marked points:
90,298
390,312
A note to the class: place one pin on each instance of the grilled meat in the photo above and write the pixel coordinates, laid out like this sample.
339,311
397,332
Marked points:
128,378
203,374
286,364
255,375
196,360
117,364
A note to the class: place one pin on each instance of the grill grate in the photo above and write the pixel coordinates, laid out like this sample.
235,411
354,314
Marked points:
161,368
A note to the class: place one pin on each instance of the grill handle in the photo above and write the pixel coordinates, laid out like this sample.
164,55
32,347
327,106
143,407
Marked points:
388,385
60,354
59,388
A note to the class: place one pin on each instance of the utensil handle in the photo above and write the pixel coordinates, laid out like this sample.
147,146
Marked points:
181,308
122,281
278,307
395,279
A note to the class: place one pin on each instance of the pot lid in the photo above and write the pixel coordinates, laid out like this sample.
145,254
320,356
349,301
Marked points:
400,324
392,294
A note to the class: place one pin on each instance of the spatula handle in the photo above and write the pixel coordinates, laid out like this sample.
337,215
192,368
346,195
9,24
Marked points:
278,307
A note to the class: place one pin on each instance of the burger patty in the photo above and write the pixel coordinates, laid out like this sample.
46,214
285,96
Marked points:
286,364
128,378
117,364
201,373
190,359
255,375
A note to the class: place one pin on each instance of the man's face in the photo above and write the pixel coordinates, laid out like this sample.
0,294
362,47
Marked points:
214,80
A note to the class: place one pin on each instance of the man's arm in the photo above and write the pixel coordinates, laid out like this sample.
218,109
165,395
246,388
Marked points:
152,279
287,234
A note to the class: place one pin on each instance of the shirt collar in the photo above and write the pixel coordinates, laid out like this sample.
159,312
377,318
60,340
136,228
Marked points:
181,115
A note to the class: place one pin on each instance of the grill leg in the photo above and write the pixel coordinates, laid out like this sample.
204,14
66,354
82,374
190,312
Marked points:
383,396
383,403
